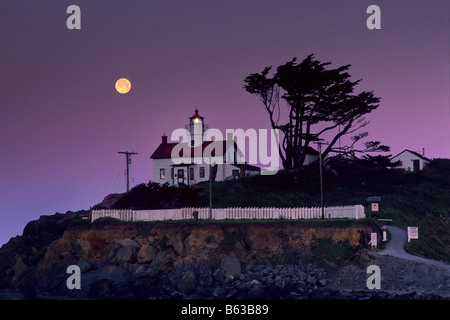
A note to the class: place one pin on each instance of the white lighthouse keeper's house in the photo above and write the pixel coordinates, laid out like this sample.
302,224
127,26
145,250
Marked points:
184,170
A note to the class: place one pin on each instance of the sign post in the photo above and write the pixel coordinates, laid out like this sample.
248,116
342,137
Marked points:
374,205
373,240
413,233
384,229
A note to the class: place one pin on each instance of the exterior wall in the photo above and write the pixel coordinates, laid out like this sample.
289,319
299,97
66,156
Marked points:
196,131
197,177
406,158
224,170
228,171
162,164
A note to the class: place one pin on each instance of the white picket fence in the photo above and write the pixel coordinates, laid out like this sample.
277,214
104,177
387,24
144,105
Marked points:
349,212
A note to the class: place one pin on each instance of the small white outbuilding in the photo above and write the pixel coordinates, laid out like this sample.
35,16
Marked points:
411,160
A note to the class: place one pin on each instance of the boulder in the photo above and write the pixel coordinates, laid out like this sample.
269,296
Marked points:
107,282
302,276
141,285
142,241
11,295
321,283
145,255
32,258
218,275
157,265
154,292
204,272
19,269
256,292
220,292
311,280
59,250
115,244
133,267
140,269
126,254
119,243
130,242
229,279
229,266
118,276
188,283
81,248
85,265
101,289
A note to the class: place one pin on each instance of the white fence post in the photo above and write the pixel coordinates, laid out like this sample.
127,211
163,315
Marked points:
275,214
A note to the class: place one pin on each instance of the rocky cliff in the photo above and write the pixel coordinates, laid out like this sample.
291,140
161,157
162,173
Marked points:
176,260
249,242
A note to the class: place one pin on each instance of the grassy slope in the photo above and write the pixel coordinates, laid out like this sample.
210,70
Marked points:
420,199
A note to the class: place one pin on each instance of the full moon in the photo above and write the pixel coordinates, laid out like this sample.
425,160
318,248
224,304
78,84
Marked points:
123,85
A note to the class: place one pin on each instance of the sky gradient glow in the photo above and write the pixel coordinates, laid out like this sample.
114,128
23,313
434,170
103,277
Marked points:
62,123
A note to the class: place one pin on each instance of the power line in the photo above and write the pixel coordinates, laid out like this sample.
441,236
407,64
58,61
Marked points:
114,189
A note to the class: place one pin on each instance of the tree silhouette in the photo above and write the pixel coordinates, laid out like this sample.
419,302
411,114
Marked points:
319,101
350,151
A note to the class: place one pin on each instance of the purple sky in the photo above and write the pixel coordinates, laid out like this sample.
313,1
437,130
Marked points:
62,122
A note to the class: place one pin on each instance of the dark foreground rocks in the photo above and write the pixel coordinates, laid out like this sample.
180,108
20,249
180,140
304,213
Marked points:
207,279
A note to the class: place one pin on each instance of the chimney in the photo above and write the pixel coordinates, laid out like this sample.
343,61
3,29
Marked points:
423,152
164,139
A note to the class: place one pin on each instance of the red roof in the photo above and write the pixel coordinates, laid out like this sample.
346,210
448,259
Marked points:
164,150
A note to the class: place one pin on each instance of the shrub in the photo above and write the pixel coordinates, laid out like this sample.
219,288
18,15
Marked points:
156,196
106,221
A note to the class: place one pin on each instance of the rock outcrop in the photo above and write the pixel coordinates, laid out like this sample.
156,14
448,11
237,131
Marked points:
276,260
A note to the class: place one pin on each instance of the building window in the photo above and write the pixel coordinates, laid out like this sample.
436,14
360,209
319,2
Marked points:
191,173
202,172
171,173
162,173
235,173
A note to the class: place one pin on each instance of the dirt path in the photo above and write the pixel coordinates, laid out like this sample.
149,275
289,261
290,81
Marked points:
395,248
401,273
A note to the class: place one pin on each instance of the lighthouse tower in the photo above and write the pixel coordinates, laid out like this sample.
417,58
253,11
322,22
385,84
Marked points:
196,129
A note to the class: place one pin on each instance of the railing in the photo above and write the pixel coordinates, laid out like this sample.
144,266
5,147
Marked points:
350,212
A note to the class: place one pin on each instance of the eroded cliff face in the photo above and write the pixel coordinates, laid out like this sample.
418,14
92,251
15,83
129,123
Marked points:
249,242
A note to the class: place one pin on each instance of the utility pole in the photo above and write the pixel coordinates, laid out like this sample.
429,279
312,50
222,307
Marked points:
320,143
128,162
210,189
